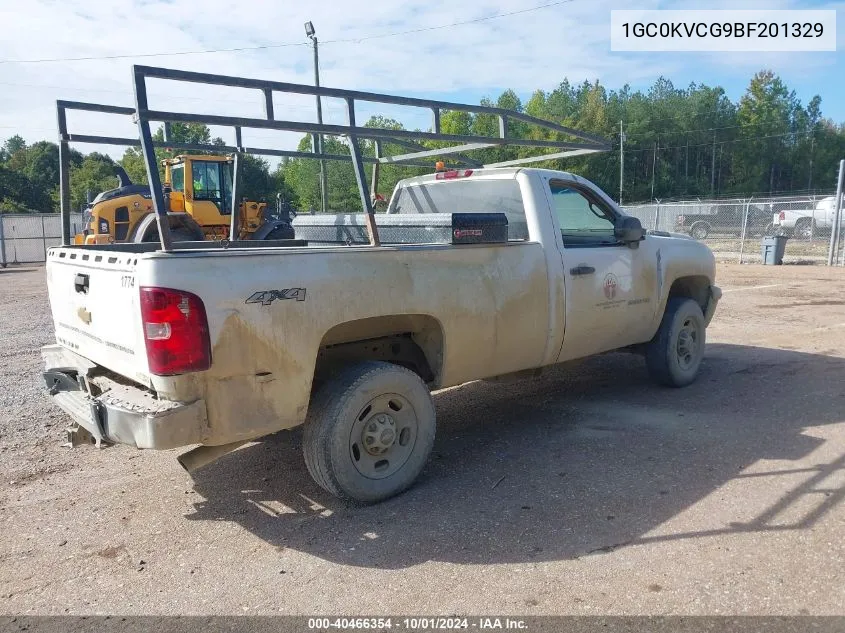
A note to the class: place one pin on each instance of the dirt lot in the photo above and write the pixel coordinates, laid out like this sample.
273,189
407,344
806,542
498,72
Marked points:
587,491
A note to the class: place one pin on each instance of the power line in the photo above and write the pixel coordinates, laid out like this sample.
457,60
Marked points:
138,55
284,106
714,129
738,140
680,116
444,26
238,49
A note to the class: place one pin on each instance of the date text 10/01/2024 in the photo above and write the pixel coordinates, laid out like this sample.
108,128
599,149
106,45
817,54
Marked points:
416,624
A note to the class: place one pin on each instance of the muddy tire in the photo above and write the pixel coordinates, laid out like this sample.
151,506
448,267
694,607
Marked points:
804,228
674,355
700,230
369,432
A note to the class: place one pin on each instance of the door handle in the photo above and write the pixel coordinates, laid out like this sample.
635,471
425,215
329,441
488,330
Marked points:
582,270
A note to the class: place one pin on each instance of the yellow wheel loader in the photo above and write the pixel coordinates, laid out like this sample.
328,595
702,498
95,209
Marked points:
199,190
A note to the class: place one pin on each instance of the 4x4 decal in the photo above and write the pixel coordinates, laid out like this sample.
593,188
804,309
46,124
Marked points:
266,297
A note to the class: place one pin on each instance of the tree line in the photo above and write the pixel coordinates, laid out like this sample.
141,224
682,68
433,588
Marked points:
678,143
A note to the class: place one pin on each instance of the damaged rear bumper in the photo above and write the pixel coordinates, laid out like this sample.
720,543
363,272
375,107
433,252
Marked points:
124,415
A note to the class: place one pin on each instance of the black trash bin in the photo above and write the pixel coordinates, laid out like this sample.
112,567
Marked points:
772,249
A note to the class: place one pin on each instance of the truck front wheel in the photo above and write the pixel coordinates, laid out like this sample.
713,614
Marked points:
369,432
673,356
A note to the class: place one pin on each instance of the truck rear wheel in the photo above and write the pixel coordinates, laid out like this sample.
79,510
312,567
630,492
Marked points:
673,356
804,228
700,230
369,432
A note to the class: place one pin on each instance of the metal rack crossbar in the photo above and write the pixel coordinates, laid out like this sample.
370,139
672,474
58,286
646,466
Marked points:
410,139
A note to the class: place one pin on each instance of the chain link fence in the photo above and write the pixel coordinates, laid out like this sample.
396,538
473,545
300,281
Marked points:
25,238
733,229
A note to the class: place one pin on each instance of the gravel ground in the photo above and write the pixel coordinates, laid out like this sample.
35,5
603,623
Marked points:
588,491
29,426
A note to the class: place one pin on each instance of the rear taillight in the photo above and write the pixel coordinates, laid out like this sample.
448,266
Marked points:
781,216
175,331
680,220
453,173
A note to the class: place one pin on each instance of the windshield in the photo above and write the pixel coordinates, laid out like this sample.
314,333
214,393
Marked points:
213,181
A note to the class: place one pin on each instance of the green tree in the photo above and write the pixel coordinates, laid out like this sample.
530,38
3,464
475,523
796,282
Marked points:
194,133
18,194
95,174
13,145
680,142
766,113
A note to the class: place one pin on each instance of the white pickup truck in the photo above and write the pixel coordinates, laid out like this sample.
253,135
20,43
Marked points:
804,223
216,347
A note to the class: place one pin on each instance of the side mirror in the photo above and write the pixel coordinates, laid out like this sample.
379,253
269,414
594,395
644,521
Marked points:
629,230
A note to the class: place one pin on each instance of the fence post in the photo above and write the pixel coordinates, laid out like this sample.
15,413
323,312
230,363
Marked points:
2,243
813,222
44,237
744,229
834,232
657,217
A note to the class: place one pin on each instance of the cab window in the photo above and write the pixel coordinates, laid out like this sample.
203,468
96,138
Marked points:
177,175
206,180
583,221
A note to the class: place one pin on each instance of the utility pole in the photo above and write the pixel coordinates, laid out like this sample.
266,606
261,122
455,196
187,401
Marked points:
654,167
318,138
621,160
719,178
812,148
713,168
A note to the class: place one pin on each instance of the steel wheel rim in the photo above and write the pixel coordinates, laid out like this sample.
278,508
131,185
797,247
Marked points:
688,344
383,436
699,233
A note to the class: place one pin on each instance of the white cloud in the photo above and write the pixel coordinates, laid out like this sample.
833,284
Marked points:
525,51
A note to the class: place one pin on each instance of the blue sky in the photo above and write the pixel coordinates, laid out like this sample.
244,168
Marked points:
524,51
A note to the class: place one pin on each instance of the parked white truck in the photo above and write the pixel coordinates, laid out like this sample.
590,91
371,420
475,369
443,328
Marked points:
804,223
162,350
470,274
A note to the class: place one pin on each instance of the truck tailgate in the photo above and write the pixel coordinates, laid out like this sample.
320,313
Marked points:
95,303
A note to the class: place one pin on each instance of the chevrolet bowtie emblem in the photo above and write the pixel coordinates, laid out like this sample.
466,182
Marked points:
83,314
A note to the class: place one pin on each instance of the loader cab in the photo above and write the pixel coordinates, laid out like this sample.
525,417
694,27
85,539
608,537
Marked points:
200,186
